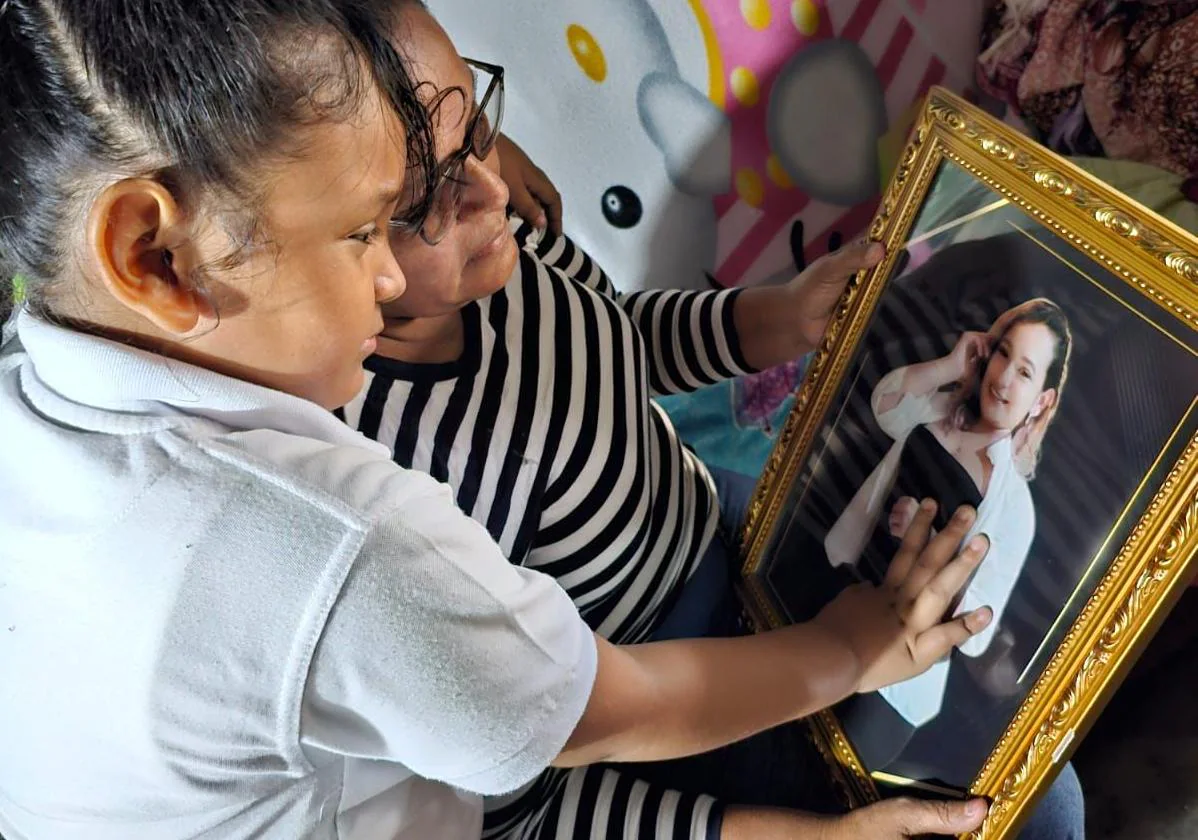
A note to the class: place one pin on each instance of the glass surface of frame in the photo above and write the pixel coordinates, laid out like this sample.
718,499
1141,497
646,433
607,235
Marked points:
1029,346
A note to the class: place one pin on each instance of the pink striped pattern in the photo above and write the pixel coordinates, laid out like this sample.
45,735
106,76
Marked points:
906,69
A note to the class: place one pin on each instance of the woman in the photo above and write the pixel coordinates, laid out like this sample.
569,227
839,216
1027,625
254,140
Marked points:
518,375
967,429
561,454
223,613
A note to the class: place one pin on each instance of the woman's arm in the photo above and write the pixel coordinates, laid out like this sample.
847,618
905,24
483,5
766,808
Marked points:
691,337
698,338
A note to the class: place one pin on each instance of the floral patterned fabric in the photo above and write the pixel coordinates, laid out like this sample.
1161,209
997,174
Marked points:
1113,78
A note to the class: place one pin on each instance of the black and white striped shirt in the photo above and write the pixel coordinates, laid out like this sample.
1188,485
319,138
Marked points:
545,429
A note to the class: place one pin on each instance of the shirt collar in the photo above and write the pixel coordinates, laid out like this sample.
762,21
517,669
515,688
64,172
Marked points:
1001,451
1002,456
87,377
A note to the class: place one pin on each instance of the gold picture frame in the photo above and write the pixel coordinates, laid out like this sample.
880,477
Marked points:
1151,265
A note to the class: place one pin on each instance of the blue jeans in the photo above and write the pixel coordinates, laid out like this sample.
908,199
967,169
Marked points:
761,770
706,606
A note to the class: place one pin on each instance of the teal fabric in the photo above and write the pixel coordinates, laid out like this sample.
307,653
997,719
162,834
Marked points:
734,425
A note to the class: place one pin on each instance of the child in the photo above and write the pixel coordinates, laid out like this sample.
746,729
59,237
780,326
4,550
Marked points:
222,612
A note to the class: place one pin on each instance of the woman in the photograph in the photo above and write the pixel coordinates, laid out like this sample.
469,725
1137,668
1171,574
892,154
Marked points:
967,429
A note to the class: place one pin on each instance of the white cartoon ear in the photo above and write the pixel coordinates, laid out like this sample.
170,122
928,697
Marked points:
826,112
693,135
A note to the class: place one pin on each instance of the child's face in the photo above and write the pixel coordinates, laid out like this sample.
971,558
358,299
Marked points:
301,311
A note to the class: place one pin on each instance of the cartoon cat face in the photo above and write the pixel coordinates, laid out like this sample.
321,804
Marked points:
595,99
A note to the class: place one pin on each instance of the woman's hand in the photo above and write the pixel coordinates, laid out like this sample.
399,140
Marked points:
972,349
815,292
778,324
896,629
900,819
532,194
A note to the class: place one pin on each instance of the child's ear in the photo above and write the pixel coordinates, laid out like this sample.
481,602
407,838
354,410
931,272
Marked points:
140,245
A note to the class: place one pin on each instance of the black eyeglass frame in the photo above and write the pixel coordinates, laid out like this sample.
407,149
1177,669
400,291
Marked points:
450,175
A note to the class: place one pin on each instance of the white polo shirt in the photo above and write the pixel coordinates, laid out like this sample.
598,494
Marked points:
225,614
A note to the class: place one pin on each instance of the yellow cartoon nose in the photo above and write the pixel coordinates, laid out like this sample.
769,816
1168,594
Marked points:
587,52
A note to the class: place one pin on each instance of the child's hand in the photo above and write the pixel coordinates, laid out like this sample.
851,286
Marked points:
902,515
897,630
532,194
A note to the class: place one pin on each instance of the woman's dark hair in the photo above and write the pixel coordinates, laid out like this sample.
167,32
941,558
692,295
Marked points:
194,93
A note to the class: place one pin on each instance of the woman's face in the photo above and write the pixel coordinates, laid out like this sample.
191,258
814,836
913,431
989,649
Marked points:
1012,388
478,253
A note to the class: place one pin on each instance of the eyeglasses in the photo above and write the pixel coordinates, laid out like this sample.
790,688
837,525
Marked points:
481,133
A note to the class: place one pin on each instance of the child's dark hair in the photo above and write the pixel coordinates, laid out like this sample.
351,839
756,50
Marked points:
194,93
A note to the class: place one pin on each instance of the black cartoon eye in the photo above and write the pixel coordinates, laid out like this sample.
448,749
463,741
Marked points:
622,207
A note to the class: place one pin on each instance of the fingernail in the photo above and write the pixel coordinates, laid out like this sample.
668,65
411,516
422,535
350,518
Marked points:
927,505
982,617
975,809
876,251
964,514
979,543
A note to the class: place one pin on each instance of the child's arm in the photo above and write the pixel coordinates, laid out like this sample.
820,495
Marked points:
670,699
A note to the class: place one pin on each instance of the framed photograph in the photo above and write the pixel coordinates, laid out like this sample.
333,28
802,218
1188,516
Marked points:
1029,347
